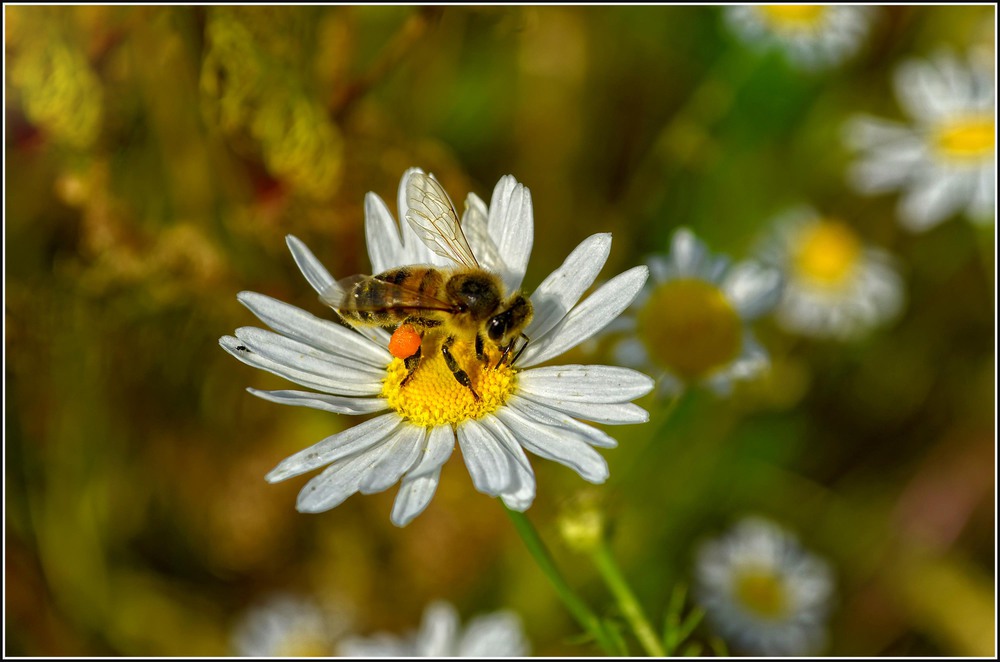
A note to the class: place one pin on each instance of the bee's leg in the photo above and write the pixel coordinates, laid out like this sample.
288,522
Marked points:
410,363
518,355
510,346
460,375
481,349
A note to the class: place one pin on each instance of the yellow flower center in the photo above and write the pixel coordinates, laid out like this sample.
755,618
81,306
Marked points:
690,327
761,592
432,396
304,645
792,17
826,253
967,138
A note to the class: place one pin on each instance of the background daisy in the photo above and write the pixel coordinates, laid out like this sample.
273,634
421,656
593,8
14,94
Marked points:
498,634
762,591
691,320
158,155
286,625
835,285
811,36
519,408
944,161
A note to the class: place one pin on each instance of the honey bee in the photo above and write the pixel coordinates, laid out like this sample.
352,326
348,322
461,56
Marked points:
425,303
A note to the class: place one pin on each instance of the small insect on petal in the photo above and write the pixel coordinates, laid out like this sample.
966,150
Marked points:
405,342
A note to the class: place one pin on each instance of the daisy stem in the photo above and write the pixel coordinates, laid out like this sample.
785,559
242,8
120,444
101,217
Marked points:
625,475
627,602
576,606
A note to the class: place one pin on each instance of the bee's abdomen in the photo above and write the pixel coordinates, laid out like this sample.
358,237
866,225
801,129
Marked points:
376,301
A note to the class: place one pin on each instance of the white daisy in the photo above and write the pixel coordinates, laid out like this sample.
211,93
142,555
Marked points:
762,591
812,36
945,162
491,635
835,286
691,320
285,626
520,407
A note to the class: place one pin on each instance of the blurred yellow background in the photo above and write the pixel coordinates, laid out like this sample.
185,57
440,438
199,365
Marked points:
157,156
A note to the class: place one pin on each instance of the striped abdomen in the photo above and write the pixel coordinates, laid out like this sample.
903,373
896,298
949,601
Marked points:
392,296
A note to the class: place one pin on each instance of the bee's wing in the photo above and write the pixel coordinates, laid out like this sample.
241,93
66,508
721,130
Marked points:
432,216
474,223
341,296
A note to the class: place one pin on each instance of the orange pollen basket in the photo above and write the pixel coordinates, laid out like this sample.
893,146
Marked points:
405,342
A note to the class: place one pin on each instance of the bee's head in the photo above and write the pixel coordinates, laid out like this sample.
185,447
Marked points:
511,321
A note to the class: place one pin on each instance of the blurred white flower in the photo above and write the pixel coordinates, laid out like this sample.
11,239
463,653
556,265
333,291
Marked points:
491,635
518,406
812,36
762,591
945,161
690,322
835,286
286,625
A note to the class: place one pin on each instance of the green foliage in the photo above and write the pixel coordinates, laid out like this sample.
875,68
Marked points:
156,158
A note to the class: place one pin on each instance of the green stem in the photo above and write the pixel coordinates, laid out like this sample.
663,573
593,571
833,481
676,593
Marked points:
576,606
626,475
627,602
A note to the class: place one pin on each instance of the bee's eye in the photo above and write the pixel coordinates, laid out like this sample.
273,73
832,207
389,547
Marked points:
498,327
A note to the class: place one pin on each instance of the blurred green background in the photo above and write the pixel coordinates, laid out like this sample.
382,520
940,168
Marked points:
157,156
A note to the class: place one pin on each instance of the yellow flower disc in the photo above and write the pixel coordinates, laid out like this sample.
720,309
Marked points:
762,593
793,17
826,252
967,138
689,326
432,396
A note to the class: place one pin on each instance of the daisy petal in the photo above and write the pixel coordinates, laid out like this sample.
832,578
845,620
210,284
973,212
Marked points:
485,458
511,225
337,482
631,351
753,289
563,288
589,317
474,225
402,453
556,418
385,248
687,252
984,197
493,635
236,348
418,486
922,91
752,361
298,355
932,200
669,386
557,445
415,493
321,334
585,383
353,440
440,445
331,403
311,268
438,630
520,494
623,413
867,131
